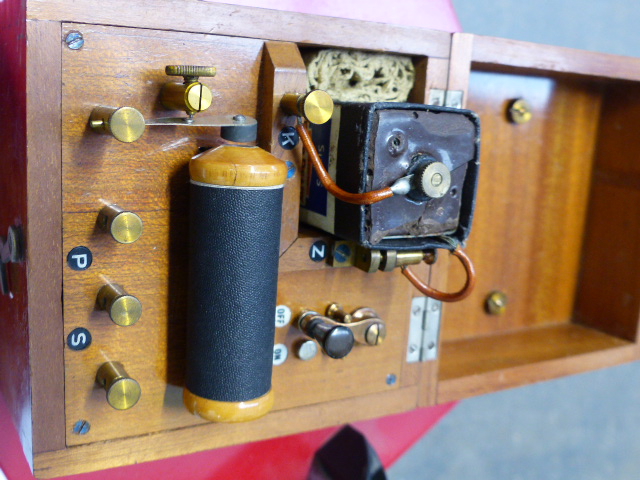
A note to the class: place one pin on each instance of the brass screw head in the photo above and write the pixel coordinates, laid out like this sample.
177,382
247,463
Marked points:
375,334
197,97
435,180
496,303
520,111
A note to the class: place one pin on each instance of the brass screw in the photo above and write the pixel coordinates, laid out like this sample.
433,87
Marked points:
496,303
336,312
375,334
520,111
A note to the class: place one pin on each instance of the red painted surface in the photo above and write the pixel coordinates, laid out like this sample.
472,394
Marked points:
287,457
14,335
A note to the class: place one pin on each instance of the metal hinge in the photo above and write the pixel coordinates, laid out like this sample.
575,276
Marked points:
446,98
424,329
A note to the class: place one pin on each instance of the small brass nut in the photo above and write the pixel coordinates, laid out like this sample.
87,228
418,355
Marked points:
520,111
496,303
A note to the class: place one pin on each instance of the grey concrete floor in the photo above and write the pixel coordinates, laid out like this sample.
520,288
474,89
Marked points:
583,427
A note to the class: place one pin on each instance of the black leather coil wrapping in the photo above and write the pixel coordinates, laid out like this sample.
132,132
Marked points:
234,242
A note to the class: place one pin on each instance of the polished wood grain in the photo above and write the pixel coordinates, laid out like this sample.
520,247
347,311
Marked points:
126,451
509,54
487,364
531,204
149,177
283,71
609,293
538,205
460,64
217,18
431,73
365,369
98,169
44,234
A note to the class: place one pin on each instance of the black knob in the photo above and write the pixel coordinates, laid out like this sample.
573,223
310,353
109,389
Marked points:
336,340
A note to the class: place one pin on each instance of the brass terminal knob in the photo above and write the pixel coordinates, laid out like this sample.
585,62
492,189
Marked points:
123,392
520,111
124,309
190,96
316,106
496,303
124,226
124,123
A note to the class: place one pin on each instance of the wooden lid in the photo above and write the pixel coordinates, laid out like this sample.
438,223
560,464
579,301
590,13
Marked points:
238,166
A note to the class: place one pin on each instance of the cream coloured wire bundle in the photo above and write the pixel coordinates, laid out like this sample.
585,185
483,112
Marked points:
354,76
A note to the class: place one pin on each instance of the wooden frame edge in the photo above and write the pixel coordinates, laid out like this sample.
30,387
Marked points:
103,455
497,380
223,19
502,52
44,233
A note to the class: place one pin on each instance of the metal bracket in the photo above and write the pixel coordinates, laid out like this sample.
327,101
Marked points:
236,128
446,98
424,329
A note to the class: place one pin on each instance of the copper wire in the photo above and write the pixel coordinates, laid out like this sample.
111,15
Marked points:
356,198
443,296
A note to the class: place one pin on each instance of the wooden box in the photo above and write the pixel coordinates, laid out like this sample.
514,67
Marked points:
555,226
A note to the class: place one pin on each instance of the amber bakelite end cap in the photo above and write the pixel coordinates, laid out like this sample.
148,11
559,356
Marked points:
228,412
238,166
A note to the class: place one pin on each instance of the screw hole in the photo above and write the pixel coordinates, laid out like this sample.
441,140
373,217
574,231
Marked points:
454,192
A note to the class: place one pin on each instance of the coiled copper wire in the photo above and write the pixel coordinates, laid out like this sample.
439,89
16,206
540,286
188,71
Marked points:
461,294
356,198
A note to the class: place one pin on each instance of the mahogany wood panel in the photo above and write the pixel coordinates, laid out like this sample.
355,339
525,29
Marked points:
119,67
609,294
103,455
431,73
532,199
508,54
487,364
15,382
148,177
44,234
283,71
366,368
217,18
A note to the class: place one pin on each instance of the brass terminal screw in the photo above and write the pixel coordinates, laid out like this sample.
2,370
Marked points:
124,309
496,303
316,106
124,227
520,111
376,334
336,312
123,392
